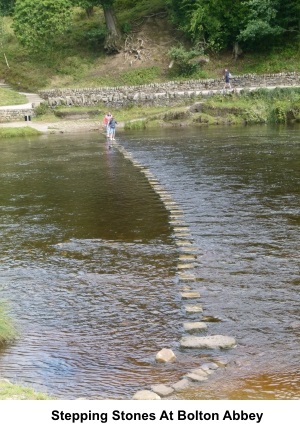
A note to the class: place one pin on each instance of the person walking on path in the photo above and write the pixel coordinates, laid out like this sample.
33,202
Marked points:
112,128
106,120
227,77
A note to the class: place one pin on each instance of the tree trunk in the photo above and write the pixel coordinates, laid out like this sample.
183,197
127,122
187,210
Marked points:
89,11
113,41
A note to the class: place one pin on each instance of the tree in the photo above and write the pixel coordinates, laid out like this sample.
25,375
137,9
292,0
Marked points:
38,23
113,40
6,7
213,23
260,22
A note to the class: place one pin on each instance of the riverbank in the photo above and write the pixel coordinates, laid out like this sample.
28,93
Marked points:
259,106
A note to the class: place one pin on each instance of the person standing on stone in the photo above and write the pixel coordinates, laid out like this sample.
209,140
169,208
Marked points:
112,128
106,120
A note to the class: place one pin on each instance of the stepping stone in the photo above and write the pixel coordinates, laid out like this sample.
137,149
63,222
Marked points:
178,223
190,295
145,395
189,249
208,342
194,326
186,258
193,309
199,372
212,319
181,229
165,356
209,366
181,385
195,378
187,277
185,266
162,390
186,288
221,362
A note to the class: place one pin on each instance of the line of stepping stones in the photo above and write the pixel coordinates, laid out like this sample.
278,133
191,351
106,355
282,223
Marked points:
186,262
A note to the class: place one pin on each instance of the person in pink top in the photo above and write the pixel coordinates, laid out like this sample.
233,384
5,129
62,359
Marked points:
106,120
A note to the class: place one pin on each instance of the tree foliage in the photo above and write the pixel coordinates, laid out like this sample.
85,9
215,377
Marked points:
260,21
6,7
219,24
208,24
38,23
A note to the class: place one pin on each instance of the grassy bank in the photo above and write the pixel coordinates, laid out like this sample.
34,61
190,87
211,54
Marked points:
10,391
7,132
262,106
8,332
10,97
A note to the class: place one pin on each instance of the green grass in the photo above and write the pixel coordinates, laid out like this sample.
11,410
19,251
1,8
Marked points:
8,332
6,132
10,391
10,97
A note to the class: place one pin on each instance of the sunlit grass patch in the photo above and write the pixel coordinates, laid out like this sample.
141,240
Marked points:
10,97
8,332
10,391
6,132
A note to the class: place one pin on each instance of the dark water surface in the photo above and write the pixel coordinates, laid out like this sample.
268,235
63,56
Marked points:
89,260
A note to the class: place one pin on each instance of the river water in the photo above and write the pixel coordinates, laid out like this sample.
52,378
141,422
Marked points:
89,260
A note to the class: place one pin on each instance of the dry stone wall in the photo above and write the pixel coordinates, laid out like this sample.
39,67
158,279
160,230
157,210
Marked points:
10,115
168,93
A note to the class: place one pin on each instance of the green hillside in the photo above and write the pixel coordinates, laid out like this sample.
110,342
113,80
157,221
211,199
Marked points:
152,35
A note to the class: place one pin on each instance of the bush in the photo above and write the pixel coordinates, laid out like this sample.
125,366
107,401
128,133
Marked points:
183,60
42,109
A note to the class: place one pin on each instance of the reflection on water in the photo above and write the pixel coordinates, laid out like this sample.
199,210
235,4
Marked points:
88,260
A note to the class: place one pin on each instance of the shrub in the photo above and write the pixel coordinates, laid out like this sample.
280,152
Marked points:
183,60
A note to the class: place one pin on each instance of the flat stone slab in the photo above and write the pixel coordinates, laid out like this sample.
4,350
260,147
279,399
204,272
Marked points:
209,366
190,295
208,342
192,309
199,372
181,385
181,229
162,390
183,266
187,257
145,395
195,377
194,326
189,249
187,277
